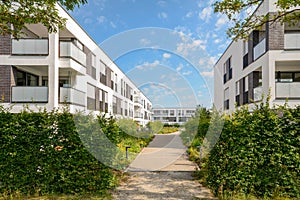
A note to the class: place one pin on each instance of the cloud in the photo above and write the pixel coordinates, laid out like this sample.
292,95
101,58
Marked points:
186,47
209,74
88,21
148,66
180,66
166,55
113,25
186,73
221,21
145,41
162,15
101,19
206,13
161,3
189,14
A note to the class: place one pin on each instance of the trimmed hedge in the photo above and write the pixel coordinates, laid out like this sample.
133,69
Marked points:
41,153
258,153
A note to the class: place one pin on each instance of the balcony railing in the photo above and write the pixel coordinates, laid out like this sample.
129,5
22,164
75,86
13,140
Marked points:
30,47
72,96
288,90
259,49
292,40
28,94
257,93
70,50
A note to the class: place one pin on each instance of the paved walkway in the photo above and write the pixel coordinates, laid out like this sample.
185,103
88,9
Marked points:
162,171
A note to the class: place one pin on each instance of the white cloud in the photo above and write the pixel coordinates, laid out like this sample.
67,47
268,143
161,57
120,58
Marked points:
113,25
161,3
162,15
221,21
189,14
145,41
217,41
186,73
180,66
186,47
101,19
88,21
148,66
206,13
167,55
163,76
209,74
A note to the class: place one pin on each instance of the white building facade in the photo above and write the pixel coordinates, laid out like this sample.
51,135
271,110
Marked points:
45,70
173,116
268,61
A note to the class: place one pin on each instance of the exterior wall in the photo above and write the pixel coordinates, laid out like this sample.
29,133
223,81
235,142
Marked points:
70,70
173,115
5,45
278,54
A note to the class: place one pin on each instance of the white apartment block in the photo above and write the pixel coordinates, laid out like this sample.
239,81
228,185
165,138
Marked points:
173,115
268,61
45,70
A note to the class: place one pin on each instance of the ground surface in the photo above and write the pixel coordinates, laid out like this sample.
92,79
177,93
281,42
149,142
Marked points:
162,171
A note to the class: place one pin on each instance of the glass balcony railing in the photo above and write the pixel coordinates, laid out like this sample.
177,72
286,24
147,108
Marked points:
30,46
288,90
259,49
292,40
72,96
28,94
70,50
257,93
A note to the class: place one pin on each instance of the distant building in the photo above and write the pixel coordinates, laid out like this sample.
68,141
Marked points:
173,115
45,70
268,61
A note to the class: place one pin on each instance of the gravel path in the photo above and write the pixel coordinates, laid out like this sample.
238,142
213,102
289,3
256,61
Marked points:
168,181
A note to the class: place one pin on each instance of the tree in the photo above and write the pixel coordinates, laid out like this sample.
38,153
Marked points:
236,9
15,14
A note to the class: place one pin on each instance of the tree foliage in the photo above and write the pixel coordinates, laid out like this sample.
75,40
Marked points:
237,12
14,15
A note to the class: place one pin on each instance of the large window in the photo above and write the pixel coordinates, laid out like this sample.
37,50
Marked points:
26,79
287,77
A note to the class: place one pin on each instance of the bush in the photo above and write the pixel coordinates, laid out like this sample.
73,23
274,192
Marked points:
257,154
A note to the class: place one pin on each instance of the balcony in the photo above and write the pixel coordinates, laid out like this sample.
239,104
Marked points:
257,93
288,90
72,96
70,50
30,47
29,94
291,41
259,49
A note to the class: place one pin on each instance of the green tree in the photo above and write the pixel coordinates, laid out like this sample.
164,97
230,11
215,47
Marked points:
236,9
155,126
15,14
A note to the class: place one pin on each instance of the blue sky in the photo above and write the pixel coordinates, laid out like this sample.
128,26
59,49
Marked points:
167,48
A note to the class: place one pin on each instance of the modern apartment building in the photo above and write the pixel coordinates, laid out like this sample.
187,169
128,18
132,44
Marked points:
268,61
49,70
173,115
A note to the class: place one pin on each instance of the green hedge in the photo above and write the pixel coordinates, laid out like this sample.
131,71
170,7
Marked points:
258,153
41,153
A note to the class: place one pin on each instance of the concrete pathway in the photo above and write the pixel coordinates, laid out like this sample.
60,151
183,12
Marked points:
162,171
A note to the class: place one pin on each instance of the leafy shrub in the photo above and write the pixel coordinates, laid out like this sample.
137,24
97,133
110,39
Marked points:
258,153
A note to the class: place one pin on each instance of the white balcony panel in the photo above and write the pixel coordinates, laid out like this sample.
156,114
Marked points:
71,64
288,90
30,47
72,96
259,49
292,41
68,49
257,93
23,94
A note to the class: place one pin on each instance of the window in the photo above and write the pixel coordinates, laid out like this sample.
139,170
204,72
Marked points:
286,77
297,77
91,101
26,79
237,88
227,70
226,99
246,84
